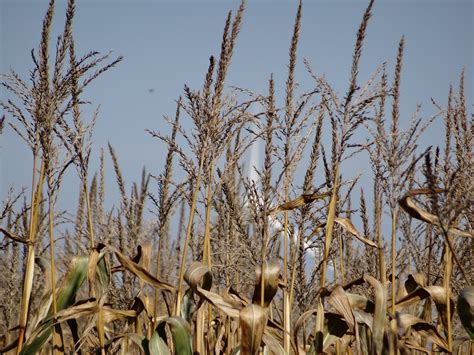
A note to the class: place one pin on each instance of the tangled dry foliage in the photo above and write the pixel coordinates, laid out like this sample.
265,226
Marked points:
271,265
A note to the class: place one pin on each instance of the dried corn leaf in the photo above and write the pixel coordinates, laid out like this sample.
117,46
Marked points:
436,293
415,280
300,201
410,207
271,280
363,309
273,345
41,334
141,273
253,320
339,300
299,323
380,310
348,227
466,309
406,321
111,315
335,329
199,278
319,326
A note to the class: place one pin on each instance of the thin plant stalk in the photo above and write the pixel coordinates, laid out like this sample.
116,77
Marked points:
394,253
341,260
286,296
330,225
378,233
30,258
56,335
179,294
447,280
206,255
100,320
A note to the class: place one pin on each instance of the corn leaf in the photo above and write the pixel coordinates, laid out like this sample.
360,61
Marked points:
253,320
466,309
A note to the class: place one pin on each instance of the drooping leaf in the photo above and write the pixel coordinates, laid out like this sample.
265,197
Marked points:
415,280
180,332
410,207
423,328
347,225
380,310
465,306
436,293
66,297
253,320
271,279
199,278
44,330
300,201
335,329
141,273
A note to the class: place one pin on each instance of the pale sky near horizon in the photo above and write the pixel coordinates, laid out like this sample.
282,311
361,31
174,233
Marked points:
166,44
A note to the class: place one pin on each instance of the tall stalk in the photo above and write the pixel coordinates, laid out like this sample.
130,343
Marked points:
393,251
330,224
189,228
36,189
448,269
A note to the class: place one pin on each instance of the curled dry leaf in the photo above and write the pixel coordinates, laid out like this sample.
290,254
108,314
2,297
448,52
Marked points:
380,311
348,227
436,293
339,300
272,344
300,201
415,280
253,320
299,323
425,329
140,272
40,335
410,207
466,309
271,280
199,278
111,315
363,309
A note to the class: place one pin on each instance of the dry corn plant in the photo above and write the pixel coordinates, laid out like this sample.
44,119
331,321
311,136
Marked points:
275,263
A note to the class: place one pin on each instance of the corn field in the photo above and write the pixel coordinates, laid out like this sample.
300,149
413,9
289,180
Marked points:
227,264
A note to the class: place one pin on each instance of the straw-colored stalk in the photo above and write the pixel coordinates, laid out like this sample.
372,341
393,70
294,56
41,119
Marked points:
30,258
56,336
100,320
206,255
286,296
192,210
394,253
448,268
330,224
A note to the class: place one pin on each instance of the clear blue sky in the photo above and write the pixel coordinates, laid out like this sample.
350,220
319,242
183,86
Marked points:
167,44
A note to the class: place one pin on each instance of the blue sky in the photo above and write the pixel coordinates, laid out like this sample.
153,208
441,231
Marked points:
166,44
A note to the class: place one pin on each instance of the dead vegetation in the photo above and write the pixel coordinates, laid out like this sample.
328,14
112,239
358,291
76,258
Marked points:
273,264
